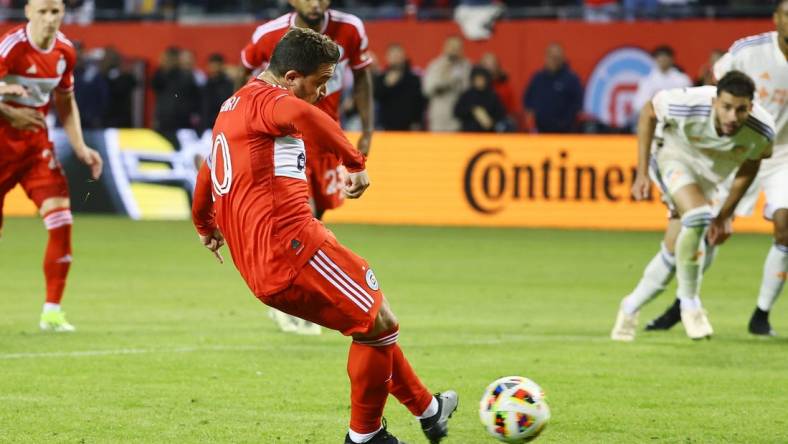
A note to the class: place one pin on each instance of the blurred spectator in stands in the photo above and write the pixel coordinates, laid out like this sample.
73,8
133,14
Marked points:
398,93
501,85
554,96
634,9
664,75
445,79
122,85
91,89
187,62
478,108
5,9
218,87
177,96
600,11
80,12
706,72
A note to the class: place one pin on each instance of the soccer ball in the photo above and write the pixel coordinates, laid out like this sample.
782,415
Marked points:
513,410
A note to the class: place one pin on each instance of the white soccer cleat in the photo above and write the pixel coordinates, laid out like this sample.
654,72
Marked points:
285,322
696,324
626,326
307,328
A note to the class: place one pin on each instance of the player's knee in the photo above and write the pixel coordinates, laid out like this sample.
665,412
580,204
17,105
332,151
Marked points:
697,217
781,226
53,204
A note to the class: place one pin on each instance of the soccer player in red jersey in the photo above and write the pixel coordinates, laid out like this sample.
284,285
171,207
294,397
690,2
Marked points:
35,60
324,170
252,192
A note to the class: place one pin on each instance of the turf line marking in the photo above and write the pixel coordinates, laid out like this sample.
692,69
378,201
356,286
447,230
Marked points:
294,346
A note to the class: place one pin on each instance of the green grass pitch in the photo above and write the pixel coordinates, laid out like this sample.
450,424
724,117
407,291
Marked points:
171,347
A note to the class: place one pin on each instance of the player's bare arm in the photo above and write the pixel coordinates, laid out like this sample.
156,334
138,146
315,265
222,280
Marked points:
203,214
12,90
363,95
21,118
647,124
721,227
66,106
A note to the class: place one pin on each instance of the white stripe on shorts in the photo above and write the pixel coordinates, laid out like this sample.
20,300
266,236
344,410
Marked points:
330,278
347,278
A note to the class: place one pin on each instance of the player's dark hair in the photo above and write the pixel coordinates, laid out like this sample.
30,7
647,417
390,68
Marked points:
303,50
737,84
663,50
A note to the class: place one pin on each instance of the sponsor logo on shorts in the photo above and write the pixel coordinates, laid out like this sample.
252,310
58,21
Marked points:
372,281
301,162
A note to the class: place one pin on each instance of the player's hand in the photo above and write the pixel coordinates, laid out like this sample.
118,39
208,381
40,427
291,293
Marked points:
641,188
719,231
214,242
356,184
13,90
92,159
26,119
364,143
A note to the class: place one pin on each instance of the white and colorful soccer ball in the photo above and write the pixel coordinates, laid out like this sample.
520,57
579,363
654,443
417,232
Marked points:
513,410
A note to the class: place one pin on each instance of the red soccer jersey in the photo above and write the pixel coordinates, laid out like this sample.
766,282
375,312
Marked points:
39,71
254,188
346,30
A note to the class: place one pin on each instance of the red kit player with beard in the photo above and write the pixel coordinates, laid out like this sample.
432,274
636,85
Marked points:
253,193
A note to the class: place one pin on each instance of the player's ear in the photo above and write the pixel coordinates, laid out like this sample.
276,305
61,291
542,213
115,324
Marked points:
292,76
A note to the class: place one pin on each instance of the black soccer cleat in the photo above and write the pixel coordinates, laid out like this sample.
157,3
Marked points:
382,437
666,320
759,323
436,427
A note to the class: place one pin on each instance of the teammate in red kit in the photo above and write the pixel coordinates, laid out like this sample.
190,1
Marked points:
253,193
324,170
35,60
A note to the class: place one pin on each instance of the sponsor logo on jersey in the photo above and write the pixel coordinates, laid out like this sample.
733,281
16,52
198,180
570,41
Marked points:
33,70
61,66
614,83
372,281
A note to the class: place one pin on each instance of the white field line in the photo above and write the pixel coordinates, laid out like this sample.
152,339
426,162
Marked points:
507,339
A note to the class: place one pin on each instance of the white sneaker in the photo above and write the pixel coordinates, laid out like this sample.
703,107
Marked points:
55,321
696,324
626,326
307,328
285,322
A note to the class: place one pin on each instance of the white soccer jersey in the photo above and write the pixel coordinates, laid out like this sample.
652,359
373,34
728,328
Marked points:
759,57
690,134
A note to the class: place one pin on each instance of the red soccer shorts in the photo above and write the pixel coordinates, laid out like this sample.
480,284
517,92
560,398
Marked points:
39,173
325,184
335,289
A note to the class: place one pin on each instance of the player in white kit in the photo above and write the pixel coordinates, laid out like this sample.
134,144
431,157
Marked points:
709,133
764,57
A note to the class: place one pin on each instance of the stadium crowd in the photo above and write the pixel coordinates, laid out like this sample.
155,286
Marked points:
451,93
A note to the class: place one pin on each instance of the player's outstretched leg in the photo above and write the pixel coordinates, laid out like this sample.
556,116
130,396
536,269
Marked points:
656,276
690,249
672,315
57,261
370,366
775,271
432,411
